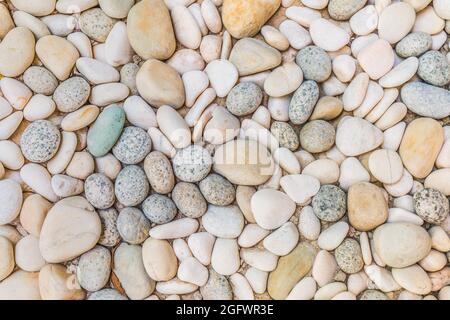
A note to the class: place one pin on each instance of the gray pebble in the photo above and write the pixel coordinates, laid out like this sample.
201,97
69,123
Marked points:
431,205
317,136
94,268
159,172
434,68
303,102
189,200
414,44
373,295
315,63
128,76
40,141
349,256
244,98
285,134
217,287
71,94
133,226
131,186
99,191
192,163
426,100
217,190
159,209
96,24
344,9
133,145
107,294
329,204
110,235
40,80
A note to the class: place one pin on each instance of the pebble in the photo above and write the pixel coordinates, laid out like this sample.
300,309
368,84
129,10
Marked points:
176,229
110,235
99,191
216,288
317,136
53,280
108,93
290,74
349,256
159,259
356,92
71,228
437,180
131,186
32,215
327,35
107,294
133,145
217,190
431,205
40,80
192,271
132,225
297,36
94,268
333,236
225,256
16,52
428,21
159,209
40,141
327,108
38,108
159,172
400,74
71,94
376,68
396,21
414,45
329,204
222,75
315,63
266,202
66,186
11,196
283,240
344,9
275,38
192,164
189,200
413,279
426,100
224,222
38,179
324,268
303,102
379,160
186,60
20,285
81,165
244,98
434,68
285,134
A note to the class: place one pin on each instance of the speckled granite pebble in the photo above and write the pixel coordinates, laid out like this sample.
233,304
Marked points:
40,141
344,9
431,205
96,24
40,80
373,295
192,163
133,145
303,102
189,200
107,294
71,94
426,100
315,63
330,203
317,136
158,169
414,44
244,98
131,186
94,268
159,209
434,68
99,191
110,235
286,135
217,287
349,256
133,226
128,77
217,190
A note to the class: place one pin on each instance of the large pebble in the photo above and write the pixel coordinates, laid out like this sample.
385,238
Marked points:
132,225
426,100
16,52
224,222
396,21
94,268
431,205
159,259
40,141
189,200
266,206
434,68
11,197
329,204
303,102
327,35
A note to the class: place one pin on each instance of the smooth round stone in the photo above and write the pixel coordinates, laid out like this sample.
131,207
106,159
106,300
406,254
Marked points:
349,256
275,38
7,23
414,44
71,94
80,119
420,146
159,84
99,191
66,186
303,102
289,74
38,179
426,100
326,170
401,244
438,180
315,63
225,256
187,31
224,222
94,268
189,200
107,294
159,172
216,288
329,204
283,240
217,190
105,131
428,21
131,186
40,141
58,55
243,162
159,209
431,205
300,187
222,75
244,98
317,136
210,47
373,295
344,67
108,93
290,270
96,24
192,163
133,145
39,107
110,235
42,8
128,75
356,91
150,30
36,26
7,257
344,9
396,21
132,225
11,199
271,208
285,134
328,35
367,206
367,58
71,228
386,166
434,68
355,136
32,215
159,259
327,108
364,21
413,278
81,166
324,268
16,52
297,36
96,71
40,80
308,224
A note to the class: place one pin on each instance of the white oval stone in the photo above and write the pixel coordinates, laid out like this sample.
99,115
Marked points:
327,35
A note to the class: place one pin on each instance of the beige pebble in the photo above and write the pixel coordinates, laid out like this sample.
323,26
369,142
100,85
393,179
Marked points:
211,47
16,52
10,155
367,58
297,36
389,96
373,96
201,245
364,21
302,15
10,124
65,152
20,285
27,254
15,92
159,259
39,107
355,92
344,67
81,165
327,35
413,279
386,166
38,178
185,60
289,74
400,74
428,21
186,28
393,136
275,38
332,237
225,256
326,170
300,187
33,213
396,21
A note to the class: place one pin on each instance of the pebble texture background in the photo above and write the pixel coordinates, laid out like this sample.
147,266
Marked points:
225,149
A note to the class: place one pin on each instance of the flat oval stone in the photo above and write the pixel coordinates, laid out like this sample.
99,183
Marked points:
71,228
71,94
159,172
344,9
327,35
224,222
150,30
396,21
289,74
414,44
16,52
401,244
303,102
367,58
271,208
11,199
159,259
426,100
400,74
189,200
413,278
105,131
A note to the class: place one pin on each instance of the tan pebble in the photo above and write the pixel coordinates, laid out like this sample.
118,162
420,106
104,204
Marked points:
33,213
